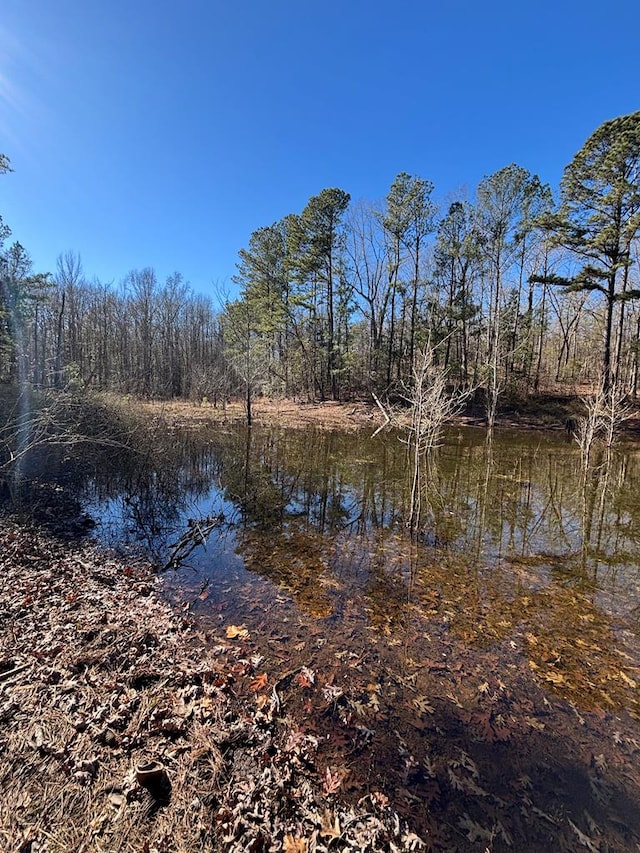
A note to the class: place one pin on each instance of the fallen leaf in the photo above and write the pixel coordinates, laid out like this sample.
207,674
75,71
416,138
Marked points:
374,702
259,682
423,705
330,827
474,831
295,845
239,631
333,779
380,799
306,677
332,693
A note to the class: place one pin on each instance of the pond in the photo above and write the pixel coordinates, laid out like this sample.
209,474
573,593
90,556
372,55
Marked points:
481,676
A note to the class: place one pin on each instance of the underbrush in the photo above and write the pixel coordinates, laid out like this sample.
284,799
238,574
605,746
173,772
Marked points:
34,424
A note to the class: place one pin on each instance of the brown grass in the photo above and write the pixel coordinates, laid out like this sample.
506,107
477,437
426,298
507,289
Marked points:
276,412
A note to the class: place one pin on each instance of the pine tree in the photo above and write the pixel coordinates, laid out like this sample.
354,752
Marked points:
598,220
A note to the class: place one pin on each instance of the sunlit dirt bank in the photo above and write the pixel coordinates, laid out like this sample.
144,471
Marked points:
286,413
552,412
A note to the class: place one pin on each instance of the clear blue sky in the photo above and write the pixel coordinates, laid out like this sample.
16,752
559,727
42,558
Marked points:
158,133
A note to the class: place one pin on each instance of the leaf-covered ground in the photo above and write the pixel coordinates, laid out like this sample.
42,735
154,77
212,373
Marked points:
457,721
98,676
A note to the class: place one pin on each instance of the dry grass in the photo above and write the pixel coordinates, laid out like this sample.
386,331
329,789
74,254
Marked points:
275,412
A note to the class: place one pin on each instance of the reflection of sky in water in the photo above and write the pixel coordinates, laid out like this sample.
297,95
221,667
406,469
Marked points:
524,500
124,524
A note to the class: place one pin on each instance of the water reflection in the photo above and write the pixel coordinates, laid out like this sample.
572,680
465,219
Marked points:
298,502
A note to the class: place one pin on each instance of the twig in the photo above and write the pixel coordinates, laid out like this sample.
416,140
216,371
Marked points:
190,540
11,672
387,419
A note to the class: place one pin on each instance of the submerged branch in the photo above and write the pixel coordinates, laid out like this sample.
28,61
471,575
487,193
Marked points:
196,535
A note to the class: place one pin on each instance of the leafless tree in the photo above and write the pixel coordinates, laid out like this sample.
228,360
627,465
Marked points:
431,406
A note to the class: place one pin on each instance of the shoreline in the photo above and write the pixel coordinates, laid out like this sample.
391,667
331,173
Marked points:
99,677
553,415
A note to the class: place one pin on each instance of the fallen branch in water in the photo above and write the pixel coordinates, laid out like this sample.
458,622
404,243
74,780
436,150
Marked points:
196,535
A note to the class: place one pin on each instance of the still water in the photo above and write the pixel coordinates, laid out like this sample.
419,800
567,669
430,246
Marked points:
523,501
482,674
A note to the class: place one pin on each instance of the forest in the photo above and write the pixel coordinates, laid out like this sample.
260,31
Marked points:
513,292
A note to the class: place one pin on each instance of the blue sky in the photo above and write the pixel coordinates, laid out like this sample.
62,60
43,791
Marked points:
157,133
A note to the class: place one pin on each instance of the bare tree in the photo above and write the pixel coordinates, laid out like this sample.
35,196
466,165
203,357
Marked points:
606,411
431,406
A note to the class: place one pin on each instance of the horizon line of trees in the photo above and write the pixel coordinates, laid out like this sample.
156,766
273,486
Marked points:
512,292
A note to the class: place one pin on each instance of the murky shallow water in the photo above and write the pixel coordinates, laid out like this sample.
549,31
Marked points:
483,677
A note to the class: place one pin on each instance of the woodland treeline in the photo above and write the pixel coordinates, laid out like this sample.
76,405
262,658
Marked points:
514,291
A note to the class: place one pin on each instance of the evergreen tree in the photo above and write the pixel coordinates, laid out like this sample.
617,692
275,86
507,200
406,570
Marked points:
320,245
21,295
264,276
409,218
598,220
457,264
504,201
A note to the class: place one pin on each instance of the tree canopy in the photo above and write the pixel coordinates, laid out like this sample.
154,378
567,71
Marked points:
337,300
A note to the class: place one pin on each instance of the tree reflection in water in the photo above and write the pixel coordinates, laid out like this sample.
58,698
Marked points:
521,497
